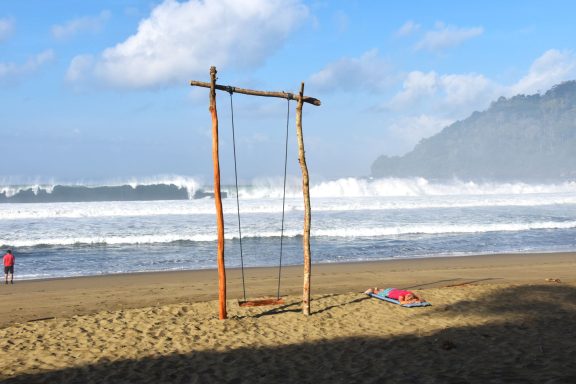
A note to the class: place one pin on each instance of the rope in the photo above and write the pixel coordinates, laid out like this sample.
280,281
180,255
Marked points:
231,90
283,198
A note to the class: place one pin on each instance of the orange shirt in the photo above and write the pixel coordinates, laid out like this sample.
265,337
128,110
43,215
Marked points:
8,260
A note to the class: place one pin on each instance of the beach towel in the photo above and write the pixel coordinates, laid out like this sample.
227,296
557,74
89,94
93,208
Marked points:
382,296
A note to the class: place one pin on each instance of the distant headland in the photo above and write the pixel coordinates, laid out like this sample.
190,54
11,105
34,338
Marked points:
524,138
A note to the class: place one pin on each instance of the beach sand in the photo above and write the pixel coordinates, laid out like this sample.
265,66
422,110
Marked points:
494,319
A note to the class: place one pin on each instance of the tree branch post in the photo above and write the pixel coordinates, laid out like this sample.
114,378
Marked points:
307,210
218,199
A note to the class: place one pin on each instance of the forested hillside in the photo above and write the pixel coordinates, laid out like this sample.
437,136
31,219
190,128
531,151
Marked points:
523,138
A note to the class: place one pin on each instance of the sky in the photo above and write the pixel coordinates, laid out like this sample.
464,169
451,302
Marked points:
94,91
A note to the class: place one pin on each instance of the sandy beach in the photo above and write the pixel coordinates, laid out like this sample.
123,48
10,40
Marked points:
494,319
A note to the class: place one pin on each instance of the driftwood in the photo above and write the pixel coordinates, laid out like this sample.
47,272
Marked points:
282,95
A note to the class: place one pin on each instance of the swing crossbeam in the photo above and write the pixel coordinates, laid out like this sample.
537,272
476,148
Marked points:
261,302
244,91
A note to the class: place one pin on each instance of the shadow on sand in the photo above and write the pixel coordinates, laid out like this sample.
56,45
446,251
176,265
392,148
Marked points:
537,346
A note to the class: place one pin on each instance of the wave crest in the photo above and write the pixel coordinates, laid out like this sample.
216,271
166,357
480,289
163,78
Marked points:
356,232
392,187
182,188
152,188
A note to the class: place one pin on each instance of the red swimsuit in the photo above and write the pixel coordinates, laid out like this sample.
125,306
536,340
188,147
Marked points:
395,293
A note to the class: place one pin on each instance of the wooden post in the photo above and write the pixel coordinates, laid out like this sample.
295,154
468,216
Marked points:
306,191
218,198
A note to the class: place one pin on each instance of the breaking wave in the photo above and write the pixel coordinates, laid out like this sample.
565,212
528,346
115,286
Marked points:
187,188
161,188
353,232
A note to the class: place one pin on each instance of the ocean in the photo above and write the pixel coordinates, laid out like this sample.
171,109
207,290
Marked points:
81,230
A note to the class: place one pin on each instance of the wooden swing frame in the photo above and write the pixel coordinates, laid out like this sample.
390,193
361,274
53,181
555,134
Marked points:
300,100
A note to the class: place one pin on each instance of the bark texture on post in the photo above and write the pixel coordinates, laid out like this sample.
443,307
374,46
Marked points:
218,198
306,191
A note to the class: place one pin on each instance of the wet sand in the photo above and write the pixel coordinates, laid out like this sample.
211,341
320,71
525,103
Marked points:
495,318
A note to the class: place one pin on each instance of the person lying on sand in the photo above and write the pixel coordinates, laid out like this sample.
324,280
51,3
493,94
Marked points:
403,296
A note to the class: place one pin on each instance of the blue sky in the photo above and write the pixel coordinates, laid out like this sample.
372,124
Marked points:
99,90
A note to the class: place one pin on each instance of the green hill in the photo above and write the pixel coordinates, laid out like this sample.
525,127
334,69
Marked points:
524,138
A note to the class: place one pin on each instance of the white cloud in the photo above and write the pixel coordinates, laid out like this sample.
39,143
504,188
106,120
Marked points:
84,24
78,67
416,86
419,89
369,72
409,130
341,21
551,68
451,91
408,28
12,73
6,28
429,101
180,39
473,90
445,36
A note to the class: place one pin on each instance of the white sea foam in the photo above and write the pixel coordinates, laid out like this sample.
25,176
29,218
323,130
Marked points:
352,187
344,187
441,229
190,184
12,190
102,209
269,205
349,232
352,219
394,187
107,240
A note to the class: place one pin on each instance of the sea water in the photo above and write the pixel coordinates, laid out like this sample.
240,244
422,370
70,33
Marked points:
352,220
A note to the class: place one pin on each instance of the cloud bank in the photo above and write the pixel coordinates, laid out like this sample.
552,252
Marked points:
11,73
181,39
426,102
408,28
446,36
6,28
368,72
551,68
80,25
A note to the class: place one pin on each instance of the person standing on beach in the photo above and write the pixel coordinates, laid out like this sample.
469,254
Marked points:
9,261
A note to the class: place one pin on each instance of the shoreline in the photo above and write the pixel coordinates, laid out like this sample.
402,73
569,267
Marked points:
314,265
29,300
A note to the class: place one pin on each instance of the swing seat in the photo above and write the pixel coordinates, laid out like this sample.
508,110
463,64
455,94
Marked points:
260,302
